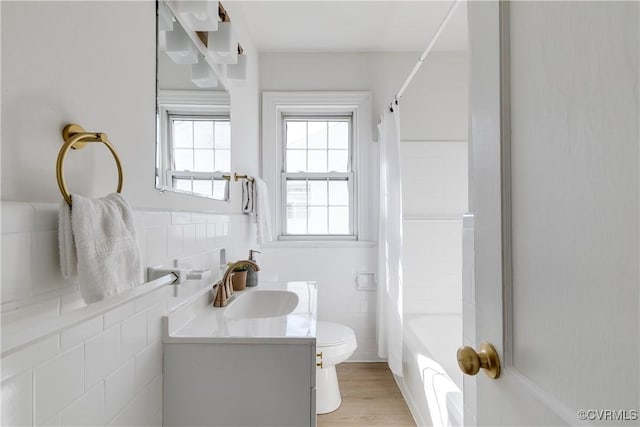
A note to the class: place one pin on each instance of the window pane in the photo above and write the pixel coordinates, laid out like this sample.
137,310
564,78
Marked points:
203,160
201,186
182,184
317,134
223,160
318,193
317,220
339,135
317,202
296,161
203,134
296,134
296,193
183,159
338,220
223,135
338,160
182,133
296,220
317,161
220,189
339,193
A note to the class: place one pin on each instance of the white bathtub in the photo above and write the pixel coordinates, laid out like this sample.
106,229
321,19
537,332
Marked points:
432,381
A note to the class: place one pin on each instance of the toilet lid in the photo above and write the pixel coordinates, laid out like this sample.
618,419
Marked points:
330,334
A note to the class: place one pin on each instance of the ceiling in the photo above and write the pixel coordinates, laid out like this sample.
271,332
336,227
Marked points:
352,25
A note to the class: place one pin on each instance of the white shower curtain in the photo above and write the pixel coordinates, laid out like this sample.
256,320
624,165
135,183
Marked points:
389,315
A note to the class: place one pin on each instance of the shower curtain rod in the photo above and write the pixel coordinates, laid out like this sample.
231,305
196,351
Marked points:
433,41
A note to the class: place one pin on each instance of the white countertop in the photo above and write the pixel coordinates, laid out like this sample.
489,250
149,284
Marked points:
198,321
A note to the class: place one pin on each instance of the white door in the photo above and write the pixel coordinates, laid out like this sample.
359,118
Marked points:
554,189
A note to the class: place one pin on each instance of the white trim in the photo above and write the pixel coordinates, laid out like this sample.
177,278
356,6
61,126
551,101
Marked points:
414,409
432,218
205,98
505,182
433,140
277,104
320,244
17,335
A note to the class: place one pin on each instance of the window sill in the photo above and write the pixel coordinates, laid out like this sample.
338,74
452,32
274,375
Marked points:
320,244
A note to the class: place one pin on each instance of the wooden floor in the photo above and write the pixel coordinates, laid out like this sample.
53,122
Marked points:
370,397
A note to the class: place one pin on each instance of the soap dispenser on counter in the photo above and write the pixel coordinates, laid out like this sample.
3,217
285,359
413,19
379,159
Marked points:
252,276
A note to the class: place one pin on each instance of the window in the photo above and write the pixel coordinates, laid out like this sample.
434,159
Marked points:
317,178
193,150
200,152
315,147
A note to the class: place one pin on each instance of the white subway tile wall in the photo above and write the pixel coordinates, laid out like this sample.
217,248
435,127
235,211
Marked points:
33,355
86,411
17,401
58,382
338,297
77,334
104,369
102,355
435,181
120,389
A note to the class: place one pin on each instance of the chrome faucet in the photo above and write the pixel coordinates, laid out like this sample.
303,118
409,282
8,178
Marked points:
224,287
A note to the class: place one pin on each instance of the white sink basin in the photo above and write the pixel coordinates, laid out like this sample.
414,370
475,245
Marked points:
257,304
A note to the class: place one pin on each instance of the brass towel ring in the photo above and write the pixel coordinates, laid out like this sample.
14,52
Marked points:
75,137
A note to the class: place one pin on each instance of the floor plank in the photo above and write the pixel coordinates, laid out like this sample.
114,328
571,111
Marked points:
370,397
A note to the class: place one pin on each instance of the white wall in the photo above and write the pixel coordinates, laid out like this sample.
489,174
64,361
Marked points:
93,63
434,109
98,72
431,107
66,363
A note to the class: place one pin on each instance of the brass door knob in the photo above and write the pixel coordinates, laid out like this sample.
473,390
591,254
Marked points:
487,358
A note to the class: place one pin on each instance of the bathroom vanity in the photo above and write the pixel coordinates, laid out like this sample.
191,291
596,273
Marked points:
251,363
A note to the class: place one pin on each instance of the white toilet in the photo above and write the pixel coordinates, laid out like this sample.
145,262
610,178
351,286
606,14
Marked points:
337,343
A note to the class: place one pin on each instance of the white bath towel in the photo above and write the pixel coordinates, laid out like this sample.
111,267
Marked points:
263,217
104,244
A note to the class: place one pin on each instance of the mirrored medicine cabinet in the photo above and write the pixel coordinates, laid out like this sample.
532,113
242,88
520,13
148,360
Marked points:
193,128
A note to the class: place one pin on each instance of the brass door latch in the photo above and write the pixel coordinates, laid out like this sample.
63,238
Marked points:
471,362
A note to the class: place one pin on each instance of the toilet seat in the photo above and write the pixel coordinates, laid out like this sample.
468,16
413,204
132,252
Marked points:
329,333
336,343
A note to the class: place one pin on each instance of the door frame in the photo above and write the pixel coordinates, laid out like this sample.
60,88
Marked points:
488,149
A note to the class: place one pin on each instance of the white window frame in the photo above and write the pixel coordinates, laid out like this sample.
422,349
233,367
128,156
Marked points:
278,105
215,104
327,176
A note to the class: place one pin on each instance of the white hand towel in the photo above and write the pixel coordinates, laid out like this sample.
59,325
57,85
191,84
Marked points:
248,197
263,216
108,257
67,247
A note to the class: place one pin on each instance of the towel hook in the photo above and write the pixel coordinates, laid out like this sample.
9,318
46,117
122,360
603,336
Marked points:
76,138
